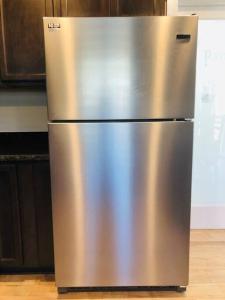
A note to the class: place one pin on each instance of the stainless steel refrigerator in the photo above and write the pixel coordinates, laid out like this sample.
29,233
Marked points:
121,107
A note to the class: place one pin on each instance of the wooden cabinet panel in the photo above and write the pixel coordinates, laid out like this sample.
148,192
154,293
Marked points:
10,230
42,196
26,239
138,7
28,214
21,38
160,7
85,8
36,214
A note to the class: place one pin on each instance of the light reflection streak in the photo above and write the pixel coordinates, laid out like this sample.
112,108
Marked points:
79,203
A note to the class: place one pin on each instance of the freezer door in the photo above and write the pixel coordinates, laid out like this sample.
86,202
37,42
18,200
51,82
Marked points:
121,203
120,68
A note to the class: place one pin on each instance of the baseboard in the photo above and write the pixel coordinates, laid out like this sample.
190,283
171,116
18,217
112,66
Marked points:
208,217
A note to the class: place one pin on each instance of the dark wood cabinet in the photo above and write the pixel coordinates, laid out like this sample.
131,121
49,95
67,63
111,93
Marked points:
10,227
36,214
21,38
26,217
98,8
138,7
42,200
160,7
85,8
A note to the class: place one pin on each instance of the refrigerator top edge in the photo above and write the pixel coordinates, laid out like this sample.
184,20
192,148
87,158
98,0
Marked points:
194,17
120,68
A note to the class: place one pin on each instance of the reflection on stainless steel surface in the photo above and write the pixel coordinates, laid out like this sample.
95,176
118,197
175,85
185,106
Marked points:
121,202
120,68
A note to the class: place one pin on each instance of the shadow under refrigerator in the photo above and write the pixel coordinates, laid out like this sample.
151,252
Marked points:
121,107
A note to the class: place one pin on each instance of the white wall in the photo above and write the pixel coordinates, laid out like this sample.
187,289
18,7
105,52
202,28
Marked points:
23,110
206,9
208,184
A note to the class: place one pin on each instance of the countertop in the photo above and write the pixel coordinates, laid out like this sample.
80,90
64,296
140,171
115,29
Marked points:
23,147
23,157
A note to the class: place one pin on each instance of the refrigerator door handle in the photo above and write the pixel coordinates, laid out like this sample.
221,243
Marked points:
184,37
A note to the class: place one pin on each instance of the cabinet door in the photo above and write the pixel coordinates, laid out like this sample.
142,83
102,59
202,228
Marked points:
10,233
85,8
28,214
138,7
21,38
160,7
43,205
36,214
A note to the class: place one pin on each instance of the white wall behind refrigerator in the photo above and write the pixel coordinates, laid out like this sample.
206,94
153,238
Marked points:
23,110
208,183
205,9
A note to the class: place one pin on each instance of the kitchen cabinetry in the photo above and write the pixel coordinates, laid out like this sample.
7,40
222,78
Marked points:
138,7
21,29
21,42
84,8
26,241
10,229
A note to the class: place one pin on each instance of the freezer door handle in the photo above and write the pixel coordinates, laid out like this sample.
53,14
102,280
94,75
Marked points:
183,37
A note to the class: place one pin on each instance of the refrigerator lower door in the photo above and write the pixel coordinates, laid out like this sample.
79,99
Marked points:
121,203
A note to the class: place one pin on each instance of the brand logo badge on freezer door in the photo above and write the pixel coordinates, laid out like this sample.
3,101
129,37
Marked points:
52,26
